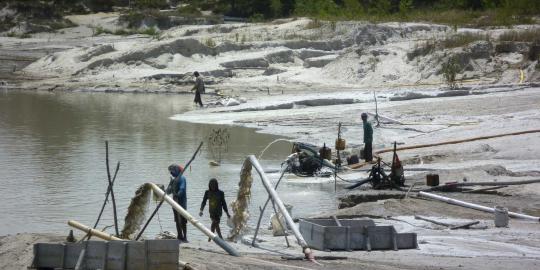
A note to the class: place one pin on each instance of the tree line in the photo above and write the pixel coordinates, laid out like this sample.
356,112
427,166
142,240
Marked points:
269,9
350,8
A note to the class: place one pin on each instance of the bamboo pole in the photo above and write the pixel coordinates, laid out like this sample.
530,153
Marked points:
458,141
275,197
91,231
220,242
474,206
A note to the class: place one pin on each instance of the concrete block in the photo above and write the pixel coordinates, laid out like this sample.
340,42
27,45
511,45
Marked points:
354,234
49,255
162,254
136,256
116,255
113,255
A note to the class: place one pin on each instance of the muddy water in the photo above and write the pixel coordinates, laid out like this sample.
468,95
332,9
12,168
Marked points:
52,159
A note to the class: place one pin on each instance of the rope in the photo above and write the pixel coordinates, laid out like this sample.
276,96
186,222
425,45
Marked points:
159,222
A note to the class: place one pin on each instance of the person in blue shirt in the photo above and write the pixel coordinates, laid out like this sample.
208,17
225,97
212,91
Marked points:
178,190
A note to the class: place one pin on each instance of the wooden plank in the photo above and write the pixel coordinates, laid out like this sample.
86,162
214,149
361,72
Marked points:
464,226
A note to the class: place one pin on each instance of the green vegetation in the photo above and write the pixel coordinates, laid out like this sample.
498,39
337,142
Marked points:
453,12
449,42
151,3
314,24
189,10
461,40
15,35
210,43
529,35
449,70
126,32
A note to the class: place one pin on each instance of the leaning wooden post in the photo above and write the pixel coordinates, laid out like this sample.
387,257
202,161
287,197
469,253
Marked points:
109,188
275,197
220,242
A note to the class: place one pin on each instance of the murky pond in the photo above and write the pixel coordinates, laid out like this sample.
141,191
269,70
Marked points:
52,159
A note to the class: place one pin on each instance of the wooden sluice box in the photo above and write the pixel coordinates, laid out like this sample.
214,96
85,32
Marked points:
354,234
112,255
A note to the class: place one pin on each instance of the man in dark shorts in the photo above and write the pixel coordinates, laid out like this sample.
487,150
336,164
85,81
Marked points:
178,190
217,202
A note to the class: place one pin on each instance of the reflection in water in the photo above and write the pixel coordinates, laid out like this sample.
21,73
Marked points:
52,158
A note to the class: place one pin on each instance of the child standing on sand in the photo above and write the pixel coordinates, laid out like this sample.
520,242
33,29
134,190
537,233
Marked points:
217,203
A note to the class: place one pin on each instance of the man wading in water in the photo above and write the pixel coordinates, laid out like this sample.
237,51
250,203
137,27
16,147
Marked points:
199,88
178,190
217,202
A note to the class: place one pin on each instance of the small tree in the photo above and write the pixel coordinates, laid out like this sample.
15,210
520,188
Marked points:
450,70
218,143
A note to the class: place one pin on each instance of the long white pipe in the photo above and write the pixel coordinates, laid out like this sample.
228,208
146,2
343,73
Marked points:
220,242
281,206
474,206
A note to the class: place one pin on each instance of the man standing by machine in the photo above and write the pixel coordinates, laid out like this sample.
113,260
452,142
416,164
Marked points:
368,138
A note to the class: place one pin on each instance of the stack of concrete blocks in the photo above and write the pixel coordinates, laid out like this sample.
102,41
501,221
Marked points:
113,255
354,234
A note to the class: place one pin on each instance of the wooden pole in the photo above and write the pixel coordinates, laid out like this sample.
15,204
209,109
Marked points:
505,183
91,231
474,206
111,188
376,109
458,141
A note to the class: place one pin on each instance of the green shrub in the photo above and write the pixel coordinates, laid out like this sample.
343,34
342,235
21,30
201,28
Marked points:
189,10
317,8
314,24
529,35
100,30
209,42
257,17
123,32
151,3
450,69
133,18
151,31
15,35
461,40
